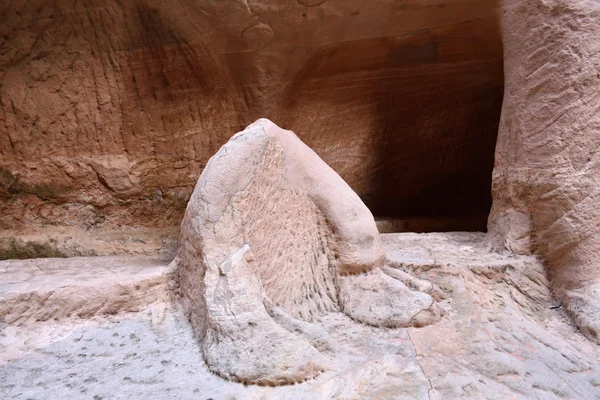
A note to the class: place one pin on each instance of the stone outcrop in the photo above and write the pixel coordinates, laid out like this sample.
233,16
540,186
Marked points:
272,240
58,289
546,178
503,336
109,111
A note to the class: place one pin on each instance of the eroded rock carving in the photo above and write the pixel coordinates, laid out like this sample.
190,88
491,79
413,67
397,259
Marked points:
546,187
272,239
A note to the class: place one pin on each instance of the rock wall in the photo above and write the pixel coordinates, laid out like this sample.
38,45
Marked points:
109,111
546,180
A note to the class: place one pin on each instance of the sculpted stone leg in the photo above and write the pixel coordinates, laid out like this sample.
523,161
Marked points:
547,176
377,299
272,239
242,341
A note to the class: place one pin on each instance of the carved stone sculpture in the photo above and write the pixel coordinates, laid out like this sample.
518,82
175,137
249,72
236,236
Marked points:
271,240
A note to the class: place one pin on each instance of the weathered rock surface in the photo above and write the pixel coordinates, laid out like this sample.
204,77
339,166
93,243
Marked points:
505,335
83,287
74,241
109,111
269,221
546,179
242,342
501,338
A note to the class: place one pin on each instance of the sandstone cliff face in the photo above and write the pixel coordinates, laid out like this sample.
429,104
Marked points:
109,111
546,179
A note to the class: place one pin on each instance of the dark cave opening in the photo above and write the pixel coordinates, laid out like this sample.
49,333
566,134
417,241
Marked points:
438,126
437,159
410,121
408,118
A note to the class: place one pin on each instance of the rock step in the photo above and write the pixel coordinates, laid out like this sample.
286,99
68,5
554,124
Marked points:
55,288
422,251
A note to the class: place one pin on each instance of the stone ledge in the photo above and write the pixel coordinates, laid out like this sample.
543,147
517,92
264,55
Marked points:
55,288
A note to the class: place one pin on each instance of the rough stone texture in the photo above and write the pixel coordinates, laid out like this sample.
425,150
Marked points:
546,179
500,339
242,341
73,241
109,111
505,335
55,289
270,222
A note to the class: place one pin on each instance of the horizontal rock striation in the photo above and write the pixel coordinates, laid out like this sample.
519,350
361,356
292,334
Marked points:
110,111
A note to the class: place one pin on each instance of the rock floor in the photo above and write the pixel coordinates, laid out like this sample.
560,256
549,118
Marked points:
503,335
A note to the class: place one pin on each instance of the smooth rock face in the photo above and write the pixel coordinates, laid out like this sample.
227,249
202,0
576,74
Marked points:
273,239
109,111
546,180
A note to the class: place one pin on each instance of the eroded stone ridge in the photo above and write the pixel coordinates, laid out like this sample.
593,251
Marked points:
272,240
546,187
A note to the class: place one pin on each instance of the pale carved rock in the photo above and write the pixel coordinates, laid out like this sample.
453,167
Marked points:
546,188
272,240
241,338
